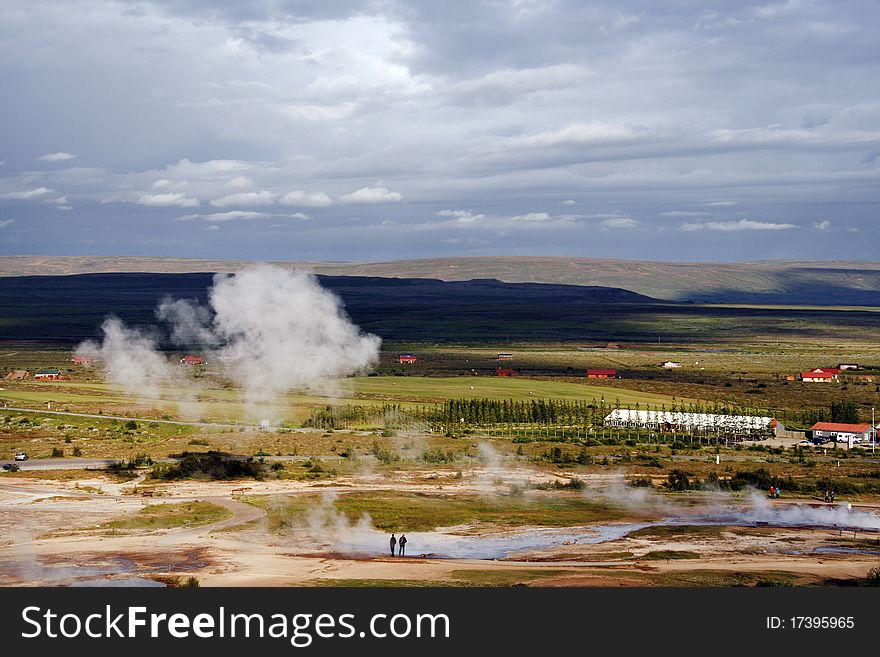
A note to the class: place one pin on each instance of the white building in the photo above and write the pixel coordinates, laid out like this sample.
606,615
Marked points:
624,417
849,433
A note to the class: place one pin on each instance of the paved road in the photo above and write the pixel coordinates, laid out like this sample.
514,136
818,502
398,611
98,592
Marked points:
123,417
75,463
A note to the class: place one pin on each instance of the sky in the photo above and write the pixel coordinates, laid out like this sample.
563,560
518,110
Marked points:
382,130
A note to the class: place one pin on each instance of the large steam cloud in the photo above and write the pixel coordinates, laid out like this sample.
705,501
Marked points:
272,330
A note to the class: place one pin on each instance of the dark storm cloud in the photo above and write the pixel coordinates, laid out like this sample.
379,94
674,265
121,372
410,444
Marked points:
285,129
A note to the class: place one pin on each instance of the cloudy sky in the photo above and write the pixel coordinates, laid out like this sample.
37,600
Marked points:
291,129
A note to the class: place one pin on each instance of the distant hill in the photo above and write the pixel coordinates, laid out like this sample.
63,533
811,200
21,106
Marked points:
71,308
816,283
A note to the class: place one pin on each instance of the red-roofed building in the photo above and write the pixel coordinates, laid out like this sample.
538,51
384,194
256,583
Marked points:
192,360
601,374
406,359
505,371
83,360
818,376
851,433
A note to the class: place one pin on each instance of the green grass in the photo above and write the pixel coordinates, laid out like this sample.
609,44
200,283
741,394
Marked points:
394,511
726,578
382,583
669,555
688,531
517,388
502,577
169,516
459,578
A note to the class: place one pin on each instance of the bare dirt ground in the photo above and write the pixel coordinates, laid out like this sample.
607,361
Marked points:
55,533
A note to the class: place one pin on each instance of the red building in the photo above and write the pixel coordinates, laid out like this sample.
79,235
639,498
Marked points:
192,360
406,359
505,371
83,360
504,357
601,374
818,376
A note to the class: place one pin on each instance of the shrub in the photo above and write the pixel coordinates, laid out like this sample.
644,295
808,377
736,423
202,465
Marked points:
438,455
131,425
57,453
383,455
212,465
77,451
679,480
640,482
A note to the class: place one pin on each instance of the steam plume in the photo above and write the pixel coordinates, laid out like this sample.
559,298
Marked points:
272,329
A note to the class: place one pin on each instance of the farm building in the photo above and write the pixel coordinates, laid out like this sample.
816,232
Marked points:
601,374
18,375
667,421
848,366
83,360
819,376
505,371
670,364
192,360
47,375
406,359
504,357
849,433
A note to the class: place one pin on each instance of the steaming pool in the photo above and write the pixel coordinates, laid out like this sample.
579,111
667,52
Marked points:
364,540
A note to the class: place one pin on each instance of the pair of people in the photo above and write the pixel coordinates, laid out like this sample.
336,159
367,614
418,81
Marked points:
775,491
401,544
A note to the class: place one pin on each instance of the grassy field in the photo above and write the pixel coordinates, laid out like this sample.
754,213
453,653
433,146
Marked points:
396,511
170,516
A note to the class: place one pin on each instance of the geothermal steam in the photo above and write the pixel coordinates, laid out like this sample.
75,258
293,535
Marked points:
130,359
272,330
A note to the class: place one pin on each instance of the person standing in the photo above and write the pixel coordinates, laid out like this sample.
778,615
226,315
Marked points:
393,544
402,544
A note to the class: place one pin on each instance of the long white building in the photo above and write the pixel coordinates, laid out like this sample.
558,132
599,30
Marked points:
624,417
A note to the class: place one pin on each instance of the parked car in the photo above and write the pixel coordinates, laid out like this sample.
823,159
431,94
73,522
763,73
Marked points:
21,456
7,466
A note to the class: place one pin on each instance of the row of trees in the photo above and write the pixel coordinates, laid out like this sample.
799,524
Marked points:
456,414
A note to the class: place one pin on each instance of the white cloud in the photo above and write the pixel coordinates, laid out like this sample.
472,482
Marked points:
306,199
524,80
318,113
264,197
232,215
26,195
241,182
742,224
302,216
370,195
619,222
532,216
162,183
823,225
569,202
61,156
171,199
212,227
61,203
5,222
720,204
682,213
461,216
576,133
